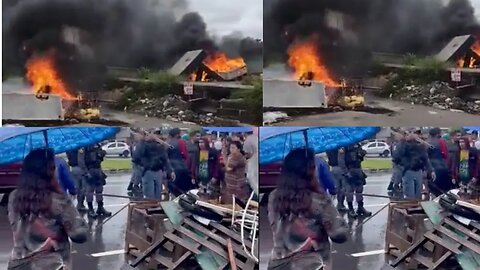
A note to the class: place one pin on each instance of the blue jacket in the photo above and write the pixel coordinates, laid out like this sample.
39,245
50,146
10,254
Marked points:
64,176
325,176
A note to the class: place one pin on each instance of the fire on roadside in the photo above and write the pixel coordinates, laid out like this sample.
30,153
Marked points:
472,62
44,77
219,62
307,64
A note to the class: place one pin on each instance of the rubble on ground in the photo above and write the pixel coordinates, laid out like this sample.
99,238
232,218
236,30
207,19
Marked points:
438,95
273,117
170,107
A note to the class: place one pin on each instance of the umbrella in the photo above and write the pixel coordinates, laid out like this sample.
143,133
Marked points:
17,142
229,129
277,142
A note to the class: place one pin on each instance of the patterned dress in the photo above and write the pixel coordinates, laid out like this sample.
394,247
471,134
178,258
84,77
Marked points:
235,180
43,242
302,242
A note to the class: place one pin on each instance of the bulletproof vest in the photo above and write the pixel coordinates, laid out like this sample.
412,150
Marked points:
332,158
353,157
94,157
72,158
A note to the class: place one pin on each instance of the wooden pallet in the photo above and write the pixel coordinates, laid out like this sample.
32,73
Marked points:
143,230
450,238
403,229
196,238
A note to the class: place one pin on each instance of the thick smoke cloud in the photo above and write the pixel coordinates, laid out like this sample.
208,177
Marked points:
393,26
88,35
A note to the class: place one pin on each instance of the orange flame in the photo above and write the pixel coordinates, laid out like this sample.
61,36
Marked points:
193,76
472,61
304,59
42,74
219,62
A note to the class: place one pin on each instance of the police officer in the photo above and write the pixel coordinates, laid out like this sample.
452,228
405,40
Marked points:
78,172
354,156
95,179
336,160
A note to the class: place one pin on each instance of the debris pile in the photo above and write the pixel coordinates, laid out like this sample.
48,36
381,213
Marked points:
169,107
438,95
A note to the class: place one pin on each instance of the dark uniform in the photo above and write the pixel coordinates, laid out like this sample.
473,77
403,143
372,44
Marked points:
336,160
79,171
356,179
95,179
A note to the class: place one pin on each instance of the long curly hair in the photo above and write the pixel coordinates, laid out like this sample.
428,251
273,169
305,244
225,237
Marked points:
36,183
296,184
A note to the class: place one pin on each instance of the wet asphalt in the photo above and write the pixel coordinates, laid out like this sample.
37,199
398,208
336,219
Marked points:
364,250
104,250
107,238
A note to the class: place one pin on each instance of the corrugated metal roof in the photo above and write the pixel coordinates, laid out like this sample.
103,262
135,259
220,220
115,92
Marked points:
456,48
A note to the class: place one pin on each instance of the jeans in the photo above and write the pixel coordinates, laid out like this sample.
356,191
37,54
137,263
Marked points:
397,171
152,184
137,171
412,184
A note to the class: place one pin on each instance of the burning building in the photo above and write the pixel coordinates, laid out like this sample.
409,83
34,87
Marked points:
200,66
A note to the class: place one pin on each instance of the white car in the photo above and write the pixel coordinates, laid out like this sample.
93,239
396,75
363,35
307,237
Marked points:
117,149
377,148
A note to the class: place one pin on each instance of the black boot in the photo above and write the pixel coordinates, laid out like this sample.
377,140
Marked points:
340,205
91,211
390,186
361,211
130,186
351,211
101,211
80,206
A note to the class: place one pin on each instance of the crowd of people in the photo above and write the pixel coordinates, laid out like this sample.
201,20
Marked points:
302,212
216,165
438,161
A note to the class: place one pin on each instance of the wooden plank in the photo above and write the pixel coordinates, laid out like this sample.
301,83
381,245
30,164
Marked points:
154,247
167,262
411,250
188,245
458,239
440,261
230,233
423,260
219,250
237,248
397,241
442,242
231,255
463,229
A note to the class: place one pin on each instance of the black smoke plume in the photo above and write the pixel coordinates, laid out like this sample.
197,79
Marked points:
86,36
420,27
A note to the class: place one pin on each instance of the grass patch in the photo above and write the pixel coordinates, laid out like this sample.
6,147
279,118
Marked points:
117,164
377,164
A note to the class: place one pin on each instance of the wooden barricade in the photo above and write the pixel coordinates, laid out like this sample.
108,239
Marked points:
449,238
143,229
216,241
404,227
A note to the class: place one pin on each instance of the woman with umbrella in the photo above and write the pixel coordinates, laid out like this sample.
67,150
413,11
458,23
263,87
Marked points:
302,216
42,217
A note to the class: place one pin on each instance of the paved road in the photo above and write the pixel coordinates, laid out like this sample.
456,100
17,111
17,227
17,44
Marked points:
404,114
364,250
104,250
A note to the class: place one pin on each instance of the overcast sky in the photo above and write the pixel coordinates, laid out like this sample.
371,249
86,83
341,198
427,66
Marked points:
225,16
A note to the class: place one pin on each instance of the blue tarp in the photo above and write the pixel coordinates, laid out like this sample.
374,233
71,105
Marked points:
277,142
17,142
